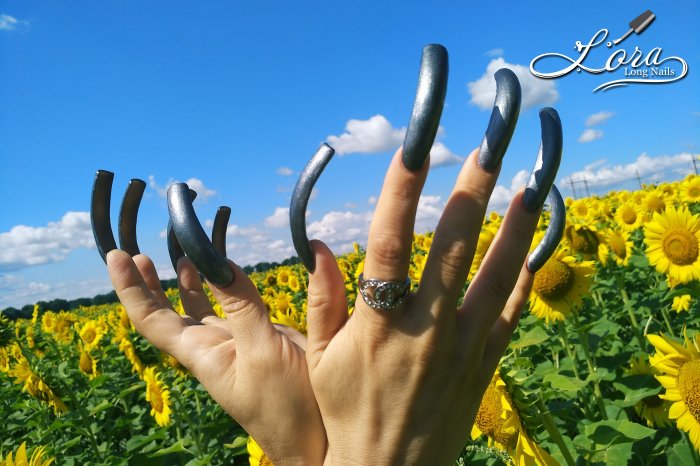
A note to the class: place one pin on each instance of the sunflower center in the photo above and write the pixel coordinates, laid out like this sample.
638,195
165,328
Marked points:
694,191
583,240
89,335
156,399
617,246
680,246
265,461
689,386
488,419
629,215
553,280
654,204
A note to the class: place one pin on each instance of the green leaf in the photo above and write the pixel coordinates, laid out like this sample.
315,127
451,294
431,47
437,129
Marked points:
101,407
636,388
138,441
564,384
238,442
679,454
616,432
177,447
534,336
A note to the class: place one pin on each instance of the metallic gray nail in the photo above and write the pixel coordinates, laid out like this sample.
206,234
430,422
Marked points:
128,214
553,234
504,117
194,240
300,199
218,230
99,213
548,159
174,249
427,106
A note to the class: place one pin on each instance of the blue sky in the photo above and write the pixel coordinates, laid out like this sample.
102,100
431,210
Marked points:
236,96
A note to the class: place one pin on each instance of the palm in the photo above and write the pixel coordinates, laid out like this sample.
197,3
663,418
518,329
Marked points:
245,374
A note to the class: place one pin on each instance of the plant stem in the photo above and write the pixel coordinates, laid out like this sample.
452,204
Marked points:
567,348
667,320
554,433
633,318
583,337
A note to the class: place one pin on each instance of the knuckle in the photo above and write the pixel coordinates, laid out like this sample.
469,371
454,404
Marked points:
453,253
498,285
388,251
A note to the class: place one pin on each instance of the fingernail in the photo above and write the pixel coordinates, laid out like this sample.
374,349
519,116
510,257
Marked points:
504,117
300,200
553,234
548,159
99,213
128,214
427,106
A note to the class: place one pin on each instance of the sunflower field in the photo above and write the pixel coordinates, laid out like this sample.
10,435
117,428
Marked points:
603,369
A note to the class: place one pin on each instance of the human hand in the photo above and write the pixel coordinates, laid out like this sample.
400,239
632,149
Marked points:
403,386
254,370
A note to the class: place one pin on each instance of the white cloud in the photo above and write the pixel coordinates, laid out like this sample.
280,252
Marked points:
429,211
340,229
164,233
350,205
502,195
285,171
203,193
372,200
367,137
16,291
589,135
25,246
440,155
601,174
598,118
279,219
536,91
8,23
494,53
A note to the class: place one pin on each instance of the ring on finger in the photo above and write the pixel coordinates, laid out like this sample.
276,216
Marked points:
383,295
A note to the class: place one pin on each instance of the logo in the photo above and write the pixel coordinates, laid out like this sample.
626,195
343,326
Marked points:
637,67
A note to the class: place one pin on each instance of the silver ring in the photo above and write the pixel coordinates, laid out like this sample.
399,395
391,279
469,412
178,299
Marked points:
383,295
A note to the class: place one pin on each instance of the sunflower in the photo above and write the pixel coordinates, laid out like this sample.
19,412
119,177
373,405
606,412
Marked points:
34,385
681,303
88,364
679,366
690,189
294,283
628,217
583,239
483,244
127,347
653,203
499,420
580,208
559,286
158,395
617,244
255,454
283,275
91,333
21,459
652,409
672,240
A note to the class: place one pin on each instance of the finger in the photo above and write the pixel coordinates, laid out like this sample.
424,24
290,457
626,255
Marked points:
500,336
391,231
457,234
160,325
327,309
245,311
194,300
150,276
495,280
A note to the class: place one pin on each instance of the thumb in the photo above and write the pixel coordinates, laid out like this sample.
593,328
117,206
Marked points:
327,309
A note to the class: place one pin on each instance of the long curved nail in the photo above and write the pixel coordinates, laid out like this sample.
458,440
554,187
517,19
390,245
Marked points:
427,106
218,231
194,240
553,234
504,116
128,214
300,199
99,213
548,159
174,249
